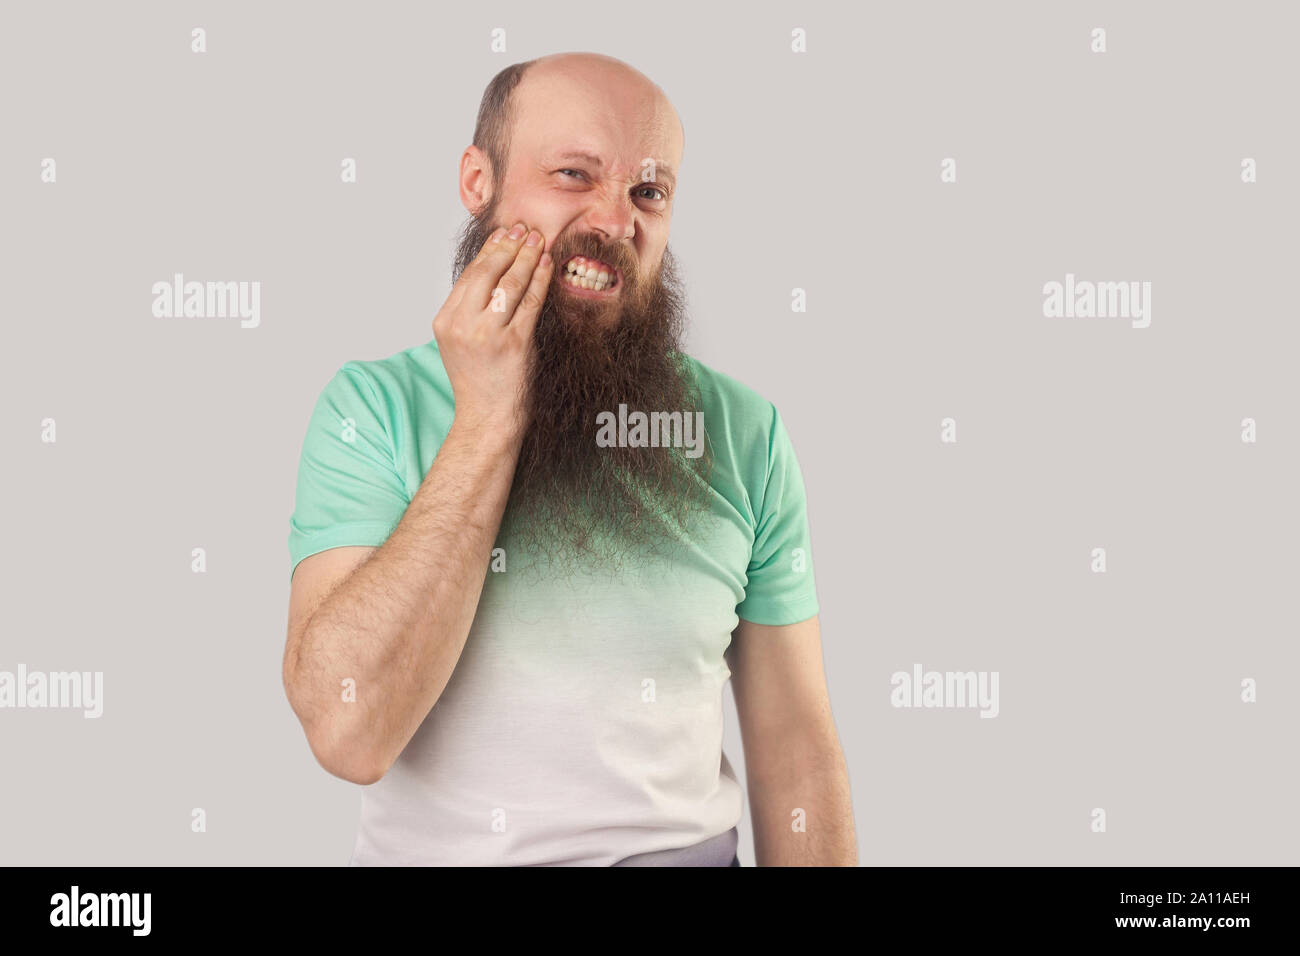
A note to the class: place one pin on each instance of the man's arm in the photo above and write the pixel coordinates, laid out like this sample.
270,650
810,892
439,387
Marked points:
396,624
793,759
397,621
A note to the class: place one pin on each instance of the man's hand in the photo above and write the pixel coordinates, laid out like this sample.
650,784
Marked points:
485,329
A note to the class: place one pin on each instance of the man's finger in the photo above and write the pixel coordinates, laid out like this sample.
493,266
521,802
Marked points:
512,286
530,306
484,273
462,282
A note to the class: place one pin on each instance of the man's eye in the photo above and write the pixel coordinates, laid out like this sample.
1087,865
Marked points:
655,189
574,171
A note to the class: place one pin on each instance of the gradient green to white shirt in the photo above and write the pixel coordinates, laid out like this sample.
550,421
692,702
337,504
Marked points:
583,721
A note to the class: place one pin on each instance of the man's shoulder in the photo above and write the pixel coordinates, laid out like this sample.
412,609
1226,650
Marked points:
729,403
413,373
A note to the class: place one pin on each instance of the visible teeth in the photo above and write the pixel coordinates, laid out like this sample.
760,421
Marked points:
579,273
590,269
587,282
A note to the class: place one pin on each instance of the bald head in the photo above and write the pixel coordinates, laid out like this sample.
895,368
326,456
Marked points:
603,82
623,89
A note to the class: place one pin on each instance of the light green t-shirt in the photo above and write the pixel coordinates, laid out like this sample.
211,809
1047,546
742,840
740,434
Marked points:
583,721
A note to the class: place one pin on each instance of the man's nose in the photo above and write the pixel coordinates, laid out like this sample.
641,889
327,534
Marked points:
612,215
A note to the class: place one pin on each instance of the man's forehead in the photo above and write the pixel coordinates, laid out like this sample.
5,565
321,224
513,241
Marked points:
616,120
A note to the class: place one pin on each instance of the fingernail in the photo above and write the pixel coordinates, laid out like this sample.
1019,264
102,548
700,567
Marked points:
518,230
500,231
534,238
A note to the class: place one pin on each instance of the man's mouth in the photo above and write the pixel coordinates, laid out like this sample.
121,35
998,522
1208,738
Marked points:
590,276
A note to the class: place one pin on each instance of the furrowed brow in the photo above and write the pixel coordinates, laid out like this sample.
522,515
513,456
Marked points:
588,158
663,172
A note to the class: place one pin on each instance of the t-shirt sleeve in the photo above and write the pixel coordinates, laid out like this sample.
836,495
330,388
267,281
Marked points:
781,589
348,492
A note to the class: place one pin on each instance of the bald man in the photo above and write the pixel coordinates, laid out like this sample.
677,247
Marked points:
527,554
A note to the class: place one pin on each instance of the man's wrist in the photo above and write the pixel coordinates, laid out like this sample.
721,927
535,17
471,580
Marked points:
486,436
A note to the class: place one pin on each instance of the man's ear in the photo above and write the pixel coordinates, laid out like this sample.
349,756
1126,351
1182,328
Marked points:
475,180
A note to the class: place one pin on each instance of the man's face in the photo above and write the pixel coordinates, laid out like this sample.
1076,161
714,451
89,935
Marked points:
592,167
574,175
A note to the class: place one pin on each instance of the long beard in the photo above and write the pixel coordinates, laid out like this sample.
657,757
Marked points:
573,500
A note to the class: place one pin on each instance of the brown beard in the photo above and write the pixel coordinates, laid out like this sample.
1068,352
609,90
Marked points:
572,498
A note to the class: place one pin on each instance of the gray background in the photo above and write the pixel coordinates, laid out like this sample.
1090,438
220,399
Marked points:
817,171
